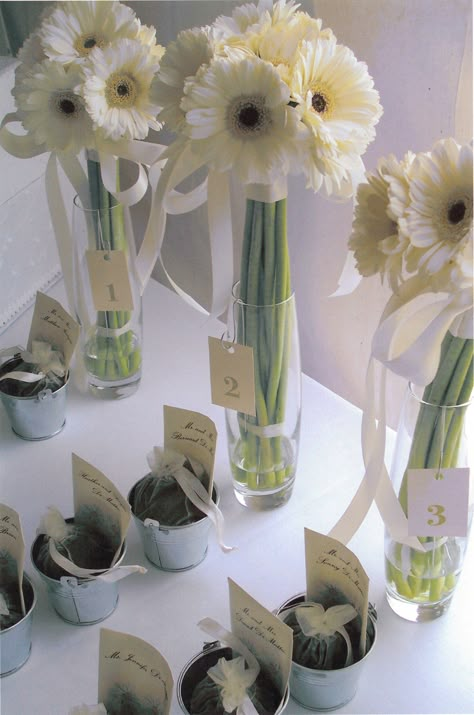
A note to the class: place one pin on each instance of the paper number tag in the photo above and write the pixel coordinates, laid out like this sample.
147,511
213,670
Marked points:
438,502
109,279
232,375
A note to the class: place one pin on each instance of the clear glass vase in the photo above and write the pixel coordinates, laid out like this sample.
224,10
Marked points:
263,450
108,303
430,436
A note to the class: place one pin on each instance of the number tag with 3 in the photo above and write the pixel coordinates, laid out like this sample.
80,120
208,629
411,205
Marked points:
232,375
438,502
109,279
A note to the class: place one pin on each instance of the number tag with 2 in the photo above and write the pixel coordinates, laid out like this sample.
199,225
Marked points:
109,279
232,375
438,502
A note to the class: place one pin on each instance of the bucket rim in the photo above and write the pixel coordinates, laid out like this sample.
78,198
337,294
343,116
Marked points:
300,597
29,612
213,647
80,579
15,360
165,527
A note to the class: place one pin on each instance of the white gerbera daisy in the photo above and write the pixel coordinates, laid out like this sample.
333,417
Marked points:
146,34
75,28
117,90
181,61
338,103
30,55
439,218
51,109
239,117
375,239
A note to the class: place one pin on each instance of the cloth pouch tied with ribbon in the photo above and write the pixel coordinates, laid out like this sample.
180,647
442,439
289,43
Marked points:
320,640
40,369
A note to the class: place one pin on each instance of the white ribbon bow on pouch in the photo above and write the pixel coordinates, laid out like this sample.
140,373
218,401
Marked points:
315,621
232,676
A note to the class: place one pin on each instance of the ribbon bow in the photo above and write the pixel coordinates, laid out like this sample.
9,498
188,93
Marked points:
234,676
314,620
165,463
233,679
47,359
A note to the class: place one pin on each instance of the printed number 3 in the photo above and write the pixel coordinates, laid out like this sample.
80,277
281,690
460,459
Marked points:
438,511
232,387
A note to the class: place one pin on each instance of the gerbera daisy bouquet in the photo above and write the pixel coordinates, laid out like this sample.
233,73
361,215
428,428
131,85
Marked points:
413,226
264,93
82,94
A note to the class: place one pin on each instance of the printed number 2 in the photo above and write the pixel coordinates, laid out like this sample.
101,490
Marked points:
233,387
112,297
438,511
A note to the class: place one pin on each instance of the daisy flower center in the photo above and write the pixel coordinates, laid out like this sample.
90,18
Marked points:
457,219
66,104
249,116
85,43
321,100
121,90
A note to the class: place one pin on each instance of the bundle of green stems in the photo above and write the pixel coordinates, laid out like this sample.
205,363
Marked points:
265,281
436,443
116,356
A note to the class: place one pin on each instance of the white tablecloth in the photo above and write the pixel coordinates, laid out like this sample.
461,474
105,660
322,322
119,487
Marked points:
413,668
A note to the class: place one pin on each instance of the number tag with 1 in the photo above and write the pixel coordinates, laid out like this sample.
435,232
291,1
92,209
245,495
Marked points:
232,375
438,502
109,279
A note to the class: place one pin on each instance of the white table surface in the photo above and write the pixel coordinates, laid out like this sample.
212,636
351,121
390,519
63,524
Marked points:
414,668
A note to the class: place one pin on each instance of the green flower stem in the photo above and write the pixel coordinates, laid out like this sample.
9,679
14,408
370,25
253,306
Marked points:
265,281
436,442
116,357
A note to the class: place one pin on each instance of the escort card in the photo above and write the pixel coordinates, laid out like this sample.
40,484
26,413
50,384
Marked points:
438,502
232,376
265,635
192,434
134,674
93,491
109,280
335,576
12,550
52,324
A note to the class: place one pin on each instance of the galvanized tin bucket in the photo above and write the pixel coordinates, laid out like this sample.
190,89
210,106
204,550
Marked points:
328,689
196,670
38,417
80,601
174,548
15,641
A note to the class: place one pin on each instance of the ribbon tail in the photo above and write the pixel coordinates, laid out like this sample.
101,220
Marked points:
120,572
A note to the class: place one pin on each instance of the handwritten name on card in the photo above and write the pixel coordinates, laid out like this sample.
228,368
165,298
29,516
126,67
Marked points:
192,434
12,545
264,634
334,572
92,489
135,665
52,324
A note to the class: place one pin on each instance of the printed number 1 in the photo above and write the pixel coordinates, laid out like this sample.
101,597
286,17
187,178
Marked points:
438,510
112,297
233,386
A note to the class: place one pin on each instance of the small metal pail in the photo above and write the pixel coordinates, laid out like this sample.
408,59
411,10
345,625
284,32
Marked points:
38,417
196,670
328,689
80,601
174,548
15,641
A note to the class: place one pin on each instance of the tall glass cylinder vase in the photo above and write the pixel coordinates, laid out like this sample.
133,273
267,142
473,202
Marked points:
107,298
431,436
263,450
